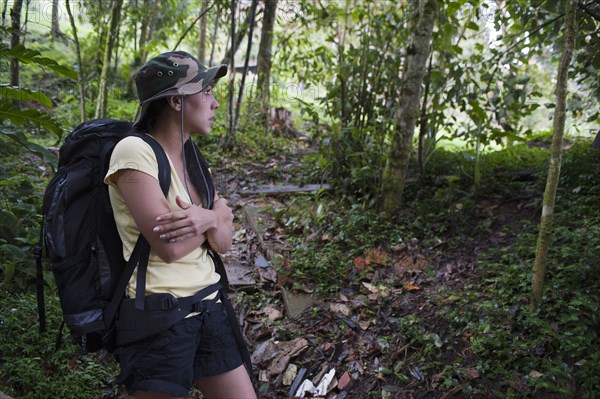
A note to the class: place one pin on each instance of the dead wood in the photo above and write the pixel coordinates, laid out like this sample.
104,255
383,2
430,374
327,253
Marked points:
271,189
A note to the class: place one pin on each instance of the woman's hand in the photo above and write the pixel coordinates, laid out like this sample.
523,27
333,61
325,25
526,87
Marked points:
224,214
220,237
191,221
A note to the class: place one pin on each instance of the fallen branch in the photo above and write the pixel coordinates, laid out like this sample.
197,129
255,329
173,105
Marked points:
284,189
251,221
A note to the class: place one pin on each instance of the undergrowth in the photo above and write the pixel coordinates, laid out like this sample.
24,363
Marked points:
517,353
30,365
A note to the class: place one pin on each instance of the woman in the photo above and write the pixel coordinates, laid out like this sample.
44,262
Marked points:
175,93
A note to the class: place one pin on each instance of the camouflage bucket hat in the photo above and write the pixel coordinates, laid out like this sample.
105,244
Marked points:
174,73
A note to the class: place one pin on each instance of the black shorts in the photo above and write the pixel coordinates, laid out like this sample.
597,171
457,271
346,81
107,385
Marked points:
199,346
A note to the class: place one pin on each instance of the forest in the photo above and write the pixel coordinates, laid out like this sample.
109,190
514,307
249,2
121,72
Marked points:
415,183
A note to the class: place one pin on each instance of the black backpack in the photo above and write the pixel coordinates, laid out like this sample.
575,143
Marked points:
80,234
82,241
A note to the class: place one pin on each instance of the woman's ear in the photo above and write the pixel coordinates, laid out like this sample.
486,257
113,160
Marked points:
174,102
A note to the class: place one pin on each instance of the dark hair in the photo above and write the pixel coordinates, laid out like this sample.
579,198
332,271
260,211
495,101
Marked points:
154,111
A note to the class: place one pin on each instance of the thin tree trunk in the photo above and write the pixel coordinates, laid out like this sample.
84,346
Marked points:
202,34
191,26
55,28
240,34
116,48
148,27
246,62
423,121
4,12
396,168
341,32
545,232
80,73
263,65
213,41
134,30
25,23
148,23
15,40
102,103
228,140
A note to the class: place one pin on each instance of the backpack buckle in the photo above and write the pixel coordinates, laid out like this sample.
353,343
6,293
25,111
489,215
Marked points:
197,307
168,303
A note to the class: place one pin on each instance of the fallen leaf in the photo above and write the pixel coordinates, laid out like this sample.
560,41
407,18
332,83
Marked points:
471,373
364,324
370,287
535,374
328,348
344,381
361,263
290,374
377,292
287,351
272,313
411,287
264,352
340,308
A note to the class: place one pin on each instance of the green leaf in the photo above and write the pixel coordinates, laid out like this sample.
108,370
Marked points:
27,56
8,267
11,251
472,25
42,152
20,117
437,340
25,95
9,224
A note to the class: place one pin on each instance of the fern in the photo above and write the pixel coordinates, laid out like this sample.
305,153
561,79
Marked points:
19,94
27,56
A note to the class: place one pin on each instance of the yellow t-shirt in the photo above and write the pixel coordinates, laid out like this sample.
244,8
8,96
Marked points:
181,278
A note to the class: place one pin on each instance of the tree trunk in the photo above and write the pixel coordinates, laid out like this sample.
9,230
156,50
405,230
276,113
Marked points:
239,37
25,26
80,73
148,23
396,168
423,122
545,232
202,34
246,62
102,103
55,28
263,65
228,139
15,40
213,41
149,27
4,7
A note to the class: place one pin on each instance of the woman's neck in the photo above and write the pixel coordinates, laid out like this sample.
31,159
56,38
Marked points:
168,133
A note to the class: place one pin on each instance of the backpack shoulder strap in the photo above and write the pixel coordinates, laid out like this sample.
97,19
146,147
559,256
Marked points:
164,169
141,252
